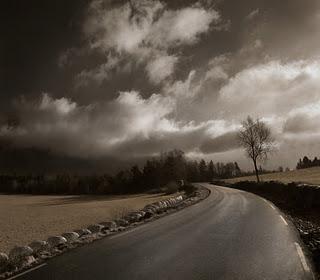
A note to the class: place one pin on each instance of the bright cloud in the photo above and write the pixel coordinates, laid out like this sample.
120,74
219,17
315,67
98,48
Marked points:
161,68
272,88
181,27
145,31
61,106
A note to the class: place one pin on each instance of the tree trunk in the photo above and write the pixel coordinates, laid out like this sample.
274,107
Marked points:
256,169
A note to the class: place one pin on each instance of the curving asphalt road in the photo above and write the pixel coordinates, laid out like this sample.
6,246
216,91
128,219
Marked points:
230,235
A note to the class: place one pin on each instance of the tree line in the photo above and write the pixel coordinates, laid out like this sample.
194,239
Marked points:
305,162
154,175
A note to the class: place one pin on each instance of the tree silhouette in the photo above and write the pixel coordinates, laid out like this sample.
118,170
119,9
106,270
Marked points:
255,137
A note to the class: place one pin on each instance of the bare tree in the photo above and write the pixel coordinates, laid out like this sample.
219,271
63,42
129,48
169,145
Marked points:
255,137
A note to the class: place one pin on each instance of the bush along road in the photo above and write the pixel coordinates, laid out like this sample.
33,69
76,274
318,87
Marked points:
229,235
300,202
24,258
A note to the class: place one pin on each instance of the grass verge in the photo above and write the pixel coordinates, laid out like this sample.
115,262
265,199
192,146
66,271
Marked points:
308,176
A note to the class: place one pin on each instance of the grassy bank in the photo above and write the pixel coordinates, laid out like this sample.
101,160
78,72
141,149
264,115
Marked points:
308,176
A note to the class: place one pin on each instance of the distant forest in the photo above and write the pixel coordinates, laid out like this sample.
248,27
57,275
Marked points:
306,162
155,174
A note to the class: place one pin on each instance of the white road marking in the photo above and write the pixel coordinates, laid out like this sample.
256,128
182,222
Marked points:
27,271
266,201
272,206
302,257
285,222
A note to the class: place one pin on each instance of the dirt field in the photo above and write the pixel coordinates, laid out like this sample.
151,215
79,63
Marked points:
24,218
308,175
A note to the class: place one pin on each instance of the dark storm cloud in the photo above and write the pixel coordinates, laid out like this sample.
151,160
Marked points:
302,123
138,127
127,81
222,143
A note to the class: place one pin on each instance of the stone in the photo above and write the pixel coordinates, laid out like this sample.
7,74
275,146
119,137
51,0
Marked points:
110,225
83,232
96,228
4,262
137,214
157,204
142,213
117,229
164,204
20,252
131,218
151,208
38,246
70,236
56,241
148,214
121,222
21,256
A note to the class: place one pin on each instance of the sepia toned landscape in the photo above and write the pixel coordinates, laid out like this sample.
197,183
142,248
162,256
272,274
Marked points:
160,139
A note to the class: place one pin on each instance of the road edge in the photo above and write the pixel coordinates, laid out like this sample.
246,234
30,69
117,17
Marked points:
307,256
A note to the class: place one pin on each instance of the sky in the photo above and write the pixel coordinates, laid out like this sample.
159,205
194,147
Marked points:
120,81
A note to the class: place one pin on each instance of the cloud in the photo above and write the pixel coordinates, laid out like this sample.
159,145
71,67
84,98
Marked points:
62,106
131,125
268,89
99,74
183,90
58,123
128,126
283,94
303,120
164,79
301,124
288,28
181,27
145,32
123,27
186,136
148,24
222,143
161,68
251,48
140,116
217,69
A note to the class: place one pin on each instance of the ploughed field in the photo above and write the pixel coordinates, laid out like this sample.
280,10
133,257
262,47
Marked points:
24,218
307,175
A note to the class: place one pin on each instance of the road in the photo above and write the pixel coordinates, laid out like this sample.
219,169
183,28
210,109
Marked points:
230,235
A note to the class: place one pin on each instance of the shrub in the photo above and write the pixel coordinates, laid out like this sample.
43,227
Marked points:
188,188
171,187
292,194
